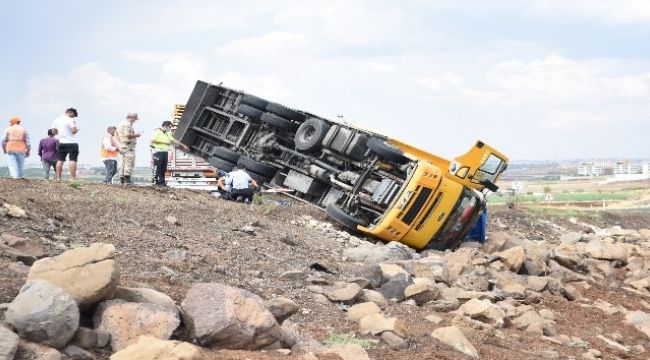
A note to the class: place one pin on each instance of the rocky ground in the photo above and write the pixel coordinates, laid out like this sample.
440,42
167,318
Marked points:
542,287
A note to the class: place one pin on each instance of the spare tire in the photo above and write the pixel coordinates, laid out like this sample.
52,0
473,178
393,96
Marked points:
254,101
310,135
256,166
279,122
343,218
285,112
250,111
387,151
226,154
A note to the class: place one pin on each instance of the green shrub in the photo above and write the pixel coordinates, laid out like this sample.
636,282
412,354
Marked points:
334,339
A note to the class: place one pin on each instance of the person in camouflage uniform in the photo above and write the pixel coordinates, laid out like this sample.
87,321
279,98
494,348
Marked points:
127,138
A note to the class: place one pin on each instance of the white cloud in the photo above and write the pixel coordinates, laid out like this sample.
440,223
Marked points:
612,11
380,67
573,119
270,86
275,44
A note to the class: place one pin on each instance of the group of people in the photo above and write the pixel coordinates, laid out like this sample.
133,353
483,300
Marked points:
61,145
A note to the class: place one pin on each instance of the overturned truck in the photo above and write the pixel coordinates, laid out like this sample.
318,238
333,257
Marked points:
365,181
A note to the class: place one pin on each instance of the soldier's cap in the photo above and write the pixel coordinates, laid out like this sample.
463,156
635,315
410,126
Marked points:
132,115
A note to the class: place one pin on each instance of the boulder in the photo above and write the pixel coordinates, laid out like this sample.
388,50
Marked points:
370,272
422,291
394,288
221,316
513,258
393,341
281,308
88,274
126,321
13,211
645,233
567,256
495,242
433,267
85,338
606,307
25,245
44,313
455,338
148,347
476,280
373,296
347,352
459,262
342,292
359,311
17,255
571,238
640,321
533,322
376,324
537,283
390,270
144,295
35,351
606,249
483,311
77,353
8,343
374,254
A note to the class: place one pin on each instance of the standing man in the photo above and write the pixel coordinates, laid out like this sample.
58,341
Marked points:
67,129
127,138
109,152
48,150
161,142
238,184
15,143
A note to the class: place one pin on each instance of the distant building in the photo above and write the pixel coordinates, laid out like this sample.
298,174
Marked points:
593,168
625,168
645,168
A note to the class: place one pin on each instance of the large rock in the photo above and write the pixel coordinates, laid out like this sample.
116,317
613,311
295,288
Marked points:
606,249
44,313
483,311
34,351
126,321
227,317
645,233
567,255
533,322
455,338
147,348
89,275
359,311
496,242
8,343
458,263
144,295
432,267
282,308
390,270
342,292
422,291
571,238
370,272
640,321
395,287
513,258
374,254
376,324
25,245
347,352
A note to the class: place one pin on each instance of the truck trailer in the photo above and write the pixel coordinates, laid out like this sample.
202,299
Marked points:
365,181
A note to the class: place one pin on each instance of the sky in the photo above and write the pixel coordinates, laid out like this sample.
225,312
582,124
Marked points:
539,79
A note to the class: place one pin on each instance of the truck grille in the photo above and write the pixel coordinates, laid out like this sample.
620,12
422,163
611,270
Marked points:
415,208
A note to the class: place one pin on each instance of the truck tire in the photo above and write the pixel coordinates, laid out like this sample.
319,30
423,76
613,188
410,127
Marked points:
256,166
221,164
254,101
310,134
341,217
285,112
386,151
226,154
279,122
250,111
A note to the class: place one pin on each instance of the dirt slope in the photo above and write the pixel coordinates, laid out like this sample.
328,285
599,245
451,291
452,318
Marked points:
208,245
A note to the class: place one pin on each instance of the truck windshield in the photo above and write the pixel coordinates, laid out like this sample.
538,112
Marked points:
458,223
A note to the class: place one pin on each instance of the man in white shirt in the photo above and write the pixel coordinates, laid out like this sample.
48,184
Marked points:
67,128
238,184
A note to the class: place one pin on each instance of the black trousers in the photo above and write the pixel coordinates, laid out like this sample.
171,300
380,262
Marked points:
159,167
246,194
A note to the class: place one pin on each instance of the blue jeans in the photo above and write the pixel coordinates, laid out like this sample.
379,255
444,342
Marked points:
16,163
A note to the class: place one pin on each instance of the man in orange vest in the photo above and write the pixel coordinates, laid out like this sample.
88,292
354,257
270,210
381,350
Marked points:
110,151
15,143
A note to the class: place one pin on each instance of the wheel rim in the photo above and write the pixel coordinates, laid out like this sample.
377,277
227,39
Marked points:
308,134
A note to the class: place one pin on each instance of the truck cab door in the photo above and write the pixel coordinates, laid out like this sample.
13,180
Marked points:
479,168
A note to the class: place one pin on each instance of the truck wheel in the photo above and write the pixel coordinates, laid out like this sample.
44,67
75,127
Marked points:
279,122
386,151
250,111
256,166
221,164
226,154
254,101
310,134
341,217
285,112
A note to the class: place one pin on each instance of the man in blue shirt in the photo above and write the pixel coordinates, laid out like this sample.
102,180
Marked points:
237,184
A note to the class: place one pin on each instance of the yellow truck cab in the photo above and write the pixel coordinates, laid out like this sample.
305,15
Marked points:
363,180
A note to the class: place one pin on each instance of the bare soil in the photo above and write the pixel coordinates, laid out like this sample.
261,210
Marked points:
208,245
